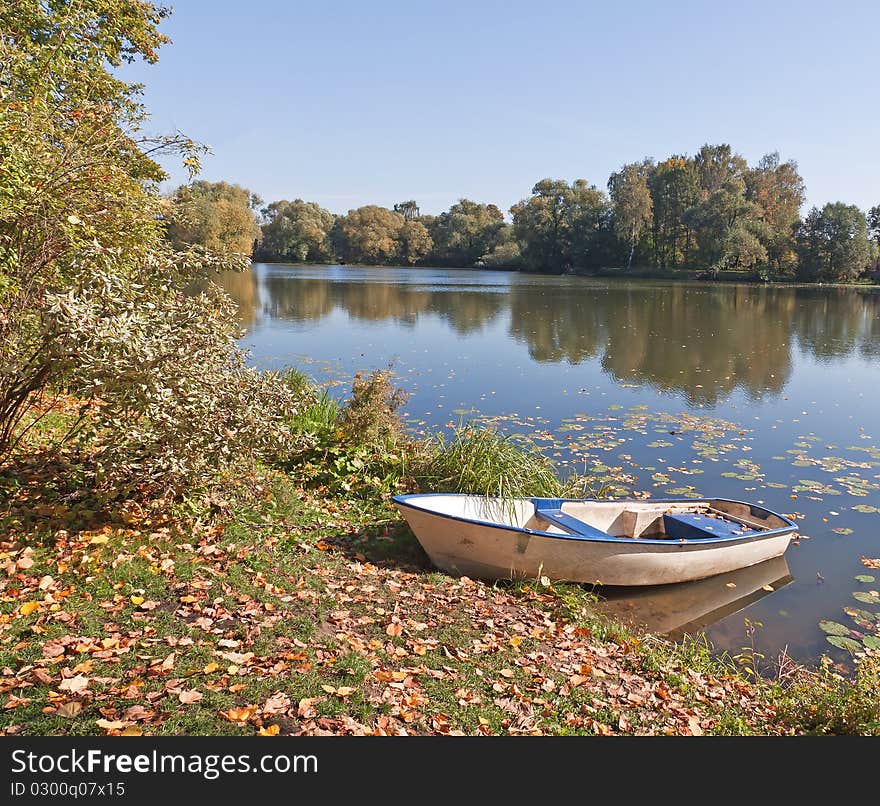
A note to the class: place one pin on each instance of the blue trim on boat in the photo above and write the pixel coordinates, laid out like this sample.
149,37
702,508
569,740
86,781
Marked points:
603,537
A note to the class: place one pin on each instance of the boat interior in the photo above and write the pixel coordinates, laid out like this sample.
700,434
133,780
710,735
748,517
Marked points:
654,520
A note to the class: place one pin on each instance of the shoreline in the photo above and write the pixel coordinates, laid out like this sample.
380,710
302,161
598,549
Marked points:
678,276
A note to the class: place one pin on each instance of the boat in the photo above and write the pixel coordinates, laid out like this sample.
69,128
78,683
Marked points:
602,542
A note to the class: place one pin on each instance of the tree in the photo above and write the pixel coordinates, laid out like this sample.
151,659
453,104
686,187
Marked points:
466,232
832,243
631,203
727,230
505,253
874,223
408,209
368,235
557,227
414,242
216,215
296,232
718,167
778,190
93,300
674,186
589,221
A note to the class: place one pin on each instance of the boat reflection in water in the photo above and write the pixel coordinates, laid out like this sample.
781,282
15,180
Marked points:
687,607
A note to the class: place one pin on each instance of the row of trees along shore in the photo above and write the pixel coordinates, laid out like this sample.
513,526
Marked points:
709,213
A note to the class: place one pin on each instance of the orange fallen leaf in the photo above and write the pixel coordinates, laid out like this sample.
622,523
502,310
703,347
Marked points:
393,629
269,730
191,696
239,714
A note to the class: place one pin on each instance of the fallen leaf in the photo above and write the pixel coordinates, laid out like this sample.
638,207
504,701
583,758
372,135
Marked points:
108,725
74,684
239,714
269,730
29,607
187,697
69,709
278,703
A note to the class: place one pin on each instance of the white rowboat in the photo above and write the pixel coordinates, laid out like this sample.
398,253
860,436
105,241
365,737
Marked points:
633,542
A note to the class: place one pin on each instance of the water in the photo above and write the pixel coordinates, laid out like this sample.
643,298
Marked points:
766,394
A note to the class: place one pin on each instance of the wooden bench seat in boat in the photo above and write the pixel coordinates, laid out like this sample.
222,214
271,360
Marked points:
551,512
696,526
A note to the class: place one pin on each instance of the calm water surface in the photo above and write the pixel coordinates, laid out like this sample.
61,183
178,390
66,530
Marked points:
763,394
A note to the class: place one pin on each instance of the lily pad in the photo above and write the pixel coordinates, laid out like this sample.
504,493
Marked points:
871,641
866,597
842,642
833,628
864,578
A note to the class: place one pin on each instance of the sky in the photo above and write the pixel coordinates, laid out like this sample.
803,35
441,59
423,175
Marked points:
352,103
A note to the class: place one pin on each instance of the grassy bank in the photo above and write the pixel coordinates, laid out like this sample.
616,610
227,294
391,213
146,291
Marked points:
297,602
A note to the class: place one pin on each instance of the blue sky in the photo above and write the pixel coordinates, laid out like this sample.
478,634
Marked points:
351,103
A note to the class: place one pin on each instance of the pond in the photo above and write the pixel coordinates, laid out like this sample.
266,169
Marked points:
765,394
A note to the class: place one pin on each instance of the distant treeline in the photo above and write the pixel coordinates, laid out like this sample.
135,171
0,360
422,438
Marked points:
711,212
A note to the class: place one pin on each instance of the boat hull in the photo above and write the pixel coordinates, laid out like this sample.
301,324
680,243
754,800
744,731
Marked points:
490,551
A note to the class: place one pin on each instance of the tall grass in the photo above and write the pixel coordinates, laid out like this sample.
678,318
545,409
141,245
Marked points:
481,461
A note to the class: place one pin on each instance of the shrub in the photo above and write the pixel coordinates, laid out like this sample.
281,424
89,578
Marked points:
369,416
176,404
358,447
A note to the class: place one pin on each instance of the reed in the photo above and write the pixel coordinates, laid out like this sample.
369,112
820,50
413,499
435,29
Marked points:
481,461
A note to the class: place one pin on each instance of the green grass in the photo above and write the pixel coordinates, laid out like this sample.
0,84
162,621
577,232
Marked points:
482,461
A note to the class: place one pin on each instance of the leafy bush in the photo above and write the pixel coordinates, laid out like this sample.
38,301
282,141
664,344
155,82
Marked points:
369,416
92,298
357,447
176,404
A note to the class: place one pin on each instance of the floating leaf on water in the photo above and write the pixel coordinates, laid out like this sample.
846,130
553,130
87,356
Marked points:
871,641
868,597
833,628
864,578
842,642
842,530
865,508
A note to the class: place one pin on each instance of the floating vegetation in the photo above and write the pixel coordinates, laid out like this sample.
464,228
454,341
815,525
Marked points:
833,628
